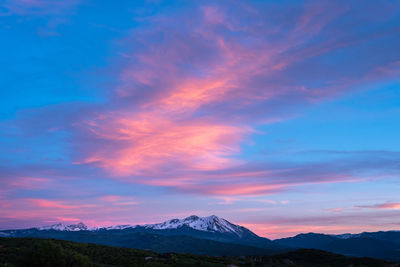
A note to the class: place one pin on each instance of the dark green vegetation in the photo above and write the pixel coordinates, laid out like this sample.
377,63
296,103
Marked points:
34,252
158,241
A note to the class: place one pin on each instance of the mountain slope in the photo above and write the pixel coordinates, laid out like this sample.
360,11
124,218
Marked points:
132,238
309,240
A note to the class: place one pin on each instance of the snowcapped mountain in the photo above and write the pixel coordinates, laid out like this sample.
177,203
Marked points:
208,224
62,227
193,230
118,227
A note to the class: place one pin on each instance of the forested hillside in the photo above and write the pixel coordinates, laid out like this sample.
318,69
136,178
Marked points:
34,252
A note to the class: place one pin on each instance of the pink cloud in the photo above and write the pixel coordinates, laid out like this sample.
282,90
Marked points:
45,211
336,210
45,203
30,182
111,198
243,189
388,205
146,142
213,15
68,219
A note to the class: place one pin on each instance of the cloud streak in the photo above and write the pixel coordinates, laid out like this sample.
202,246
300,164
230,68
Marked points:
388,205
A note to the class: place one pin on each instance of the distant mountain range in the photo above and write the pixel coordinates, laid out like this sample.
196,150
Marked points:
210,235
381,245
216,236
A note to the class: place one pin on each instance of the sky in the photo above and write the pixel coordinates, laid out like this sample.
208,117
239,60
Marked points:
281,116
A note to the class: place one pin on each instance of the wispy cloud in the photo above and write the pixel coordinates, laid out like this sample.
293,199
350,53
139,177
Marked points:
45,203
387,205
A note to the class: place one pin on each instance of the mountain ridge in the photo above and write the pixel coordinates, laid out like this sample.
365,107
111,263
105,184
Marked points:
380,245
207,234
211,223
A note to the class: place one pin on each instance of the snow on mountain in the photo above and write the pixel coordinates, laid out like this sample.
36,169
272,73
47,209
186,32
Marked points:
3,234
62,227
347,236
209,224
119,227
366,234
82,227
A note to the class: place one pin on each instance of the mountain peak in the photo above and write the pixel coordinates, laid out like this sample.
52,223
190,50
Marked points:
211,223
62,227
191,218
